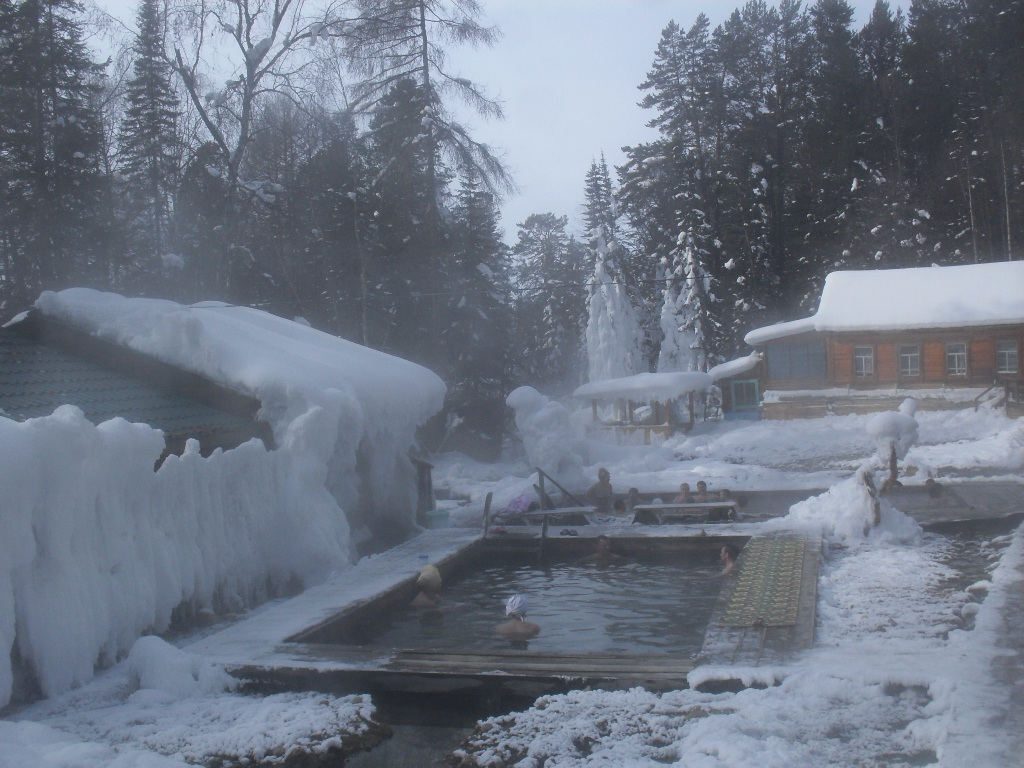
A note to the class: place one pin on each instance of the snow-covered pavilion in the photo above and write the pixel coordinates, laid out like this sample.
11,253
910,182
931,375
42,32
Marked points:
644,406
931,329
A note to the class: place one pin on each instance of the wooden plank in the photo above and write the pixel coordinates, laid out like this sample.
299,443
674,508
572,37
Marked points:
842,355
981,358
933,361
885,363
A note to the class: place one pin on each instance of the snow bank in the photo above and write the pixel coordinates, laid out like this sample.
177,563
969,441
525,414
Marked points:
550,441
968,295
154,664
175,720
96,548
844,513
375,400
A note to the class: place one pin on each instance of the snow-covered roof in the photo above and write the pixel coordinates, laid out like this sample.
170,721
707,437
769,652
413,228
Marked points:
287,365
922,297
646,386
735,367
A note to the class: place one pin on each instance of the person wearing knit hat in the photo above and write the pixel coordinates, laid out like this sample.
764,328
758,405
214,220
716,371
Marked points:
429,582
517,627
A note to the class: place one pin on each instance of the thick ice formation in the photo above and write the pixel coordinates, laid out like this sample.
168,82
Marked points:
96,548
614,336
373,397
550,441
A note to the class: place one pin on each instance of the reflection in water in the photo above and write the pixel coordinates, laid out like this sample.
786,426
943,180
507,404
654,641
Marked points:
627,607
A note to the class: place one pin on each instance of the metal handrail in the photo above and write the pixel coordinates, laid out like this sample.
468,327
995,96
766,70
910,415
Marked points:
542,474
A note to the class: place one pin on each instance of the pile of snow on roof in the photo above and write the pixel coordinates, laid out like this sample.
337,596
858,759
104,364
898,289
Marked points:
969,295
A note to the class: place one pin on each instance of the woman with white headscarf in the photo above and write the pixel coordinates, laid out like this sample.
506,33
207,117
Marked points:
517,627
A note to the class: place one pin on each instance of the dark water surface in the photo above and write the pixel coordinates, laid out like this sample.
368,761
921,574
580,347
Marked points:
622,607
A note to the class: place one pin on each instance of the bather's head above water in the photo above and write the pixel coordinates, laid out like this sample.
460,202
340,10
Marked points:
429,582
516,606
517,628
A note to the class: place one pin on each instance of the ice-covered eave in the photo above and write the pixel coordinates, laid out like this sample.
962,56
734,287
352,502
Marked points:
646,386
735,367
779,331
808,324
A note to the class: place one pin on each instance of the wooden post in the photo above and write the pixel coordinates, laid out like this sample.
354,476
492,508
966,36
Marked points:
543,495
487,512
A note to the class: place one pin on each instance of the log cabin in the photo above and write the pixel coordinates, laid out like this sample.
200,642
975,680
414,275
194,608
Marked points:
949,336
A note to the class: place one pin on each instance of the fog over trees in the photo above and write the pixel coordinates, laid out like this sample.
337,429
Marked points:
306,158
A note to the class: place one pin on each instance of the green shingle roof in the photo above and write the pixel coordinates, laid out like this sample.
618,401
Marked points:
36,378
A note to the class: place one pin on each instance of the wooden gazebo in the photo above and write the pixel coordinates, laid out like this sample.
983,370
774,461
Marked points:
618,404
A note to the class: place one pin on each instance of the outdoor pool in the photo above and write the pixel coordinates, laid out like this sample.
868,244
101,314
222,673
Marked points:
656,605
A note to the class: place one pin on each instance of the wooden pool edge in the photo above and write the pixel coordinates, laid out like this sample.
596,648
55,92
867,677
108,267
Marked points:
264,652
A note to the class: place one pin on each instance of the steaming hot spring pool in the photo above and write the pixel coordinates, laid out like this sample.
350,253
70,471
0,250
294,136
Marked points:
656,603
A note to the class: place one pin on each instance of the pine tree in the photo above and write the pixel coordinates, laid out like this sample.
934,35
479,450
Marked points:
476,335
600,209
50,141
551,303
150,151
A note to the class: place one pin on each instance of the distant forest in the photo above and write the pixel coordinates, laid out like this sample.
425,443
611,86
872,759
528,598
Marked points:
304,159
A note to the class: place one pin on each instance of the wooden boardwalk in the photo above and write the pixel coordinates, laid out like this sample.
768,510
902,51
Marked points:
766,610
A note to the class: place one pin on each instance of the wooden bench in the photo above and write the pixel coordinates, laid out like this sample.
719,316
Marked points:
695,512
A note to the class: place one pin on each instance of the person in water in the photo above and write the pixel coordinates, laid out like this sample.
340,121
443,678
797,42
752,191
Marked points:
429,582
684,497
702,496
517,627
600,493
603,554
729,554
632,499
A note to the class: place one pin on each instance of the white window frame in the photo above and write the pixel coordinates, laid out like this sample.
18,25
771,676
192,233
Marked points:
866,371
955,370
899,360
1003,356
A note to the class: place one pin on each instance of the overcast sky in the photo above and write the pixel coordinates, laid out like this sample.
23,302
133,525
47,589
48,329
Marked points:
566,73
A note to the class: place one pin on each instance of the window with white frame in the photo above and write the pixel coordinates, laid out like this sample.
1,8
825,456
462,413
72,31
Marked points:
863,362
910,360
956,358
1006,357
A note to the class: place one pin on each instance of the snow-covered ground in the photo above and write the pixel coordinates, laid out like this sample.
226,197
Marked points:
744,455
899,675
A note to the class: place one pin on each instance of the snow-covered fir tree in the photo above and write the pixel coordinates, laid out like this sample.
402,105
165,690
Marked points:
551,303
685,311
614,337
150,151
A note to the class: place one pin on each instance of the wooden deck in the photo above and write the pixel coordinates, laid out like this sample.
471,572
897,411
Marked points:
338,668
766,612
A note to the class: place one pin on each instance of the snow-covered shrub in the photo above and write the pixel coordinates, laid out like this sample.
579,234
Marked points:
894,430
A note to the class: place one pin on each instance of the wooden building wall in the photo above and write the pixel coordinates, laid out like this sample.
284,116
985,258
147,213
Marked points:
981,358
